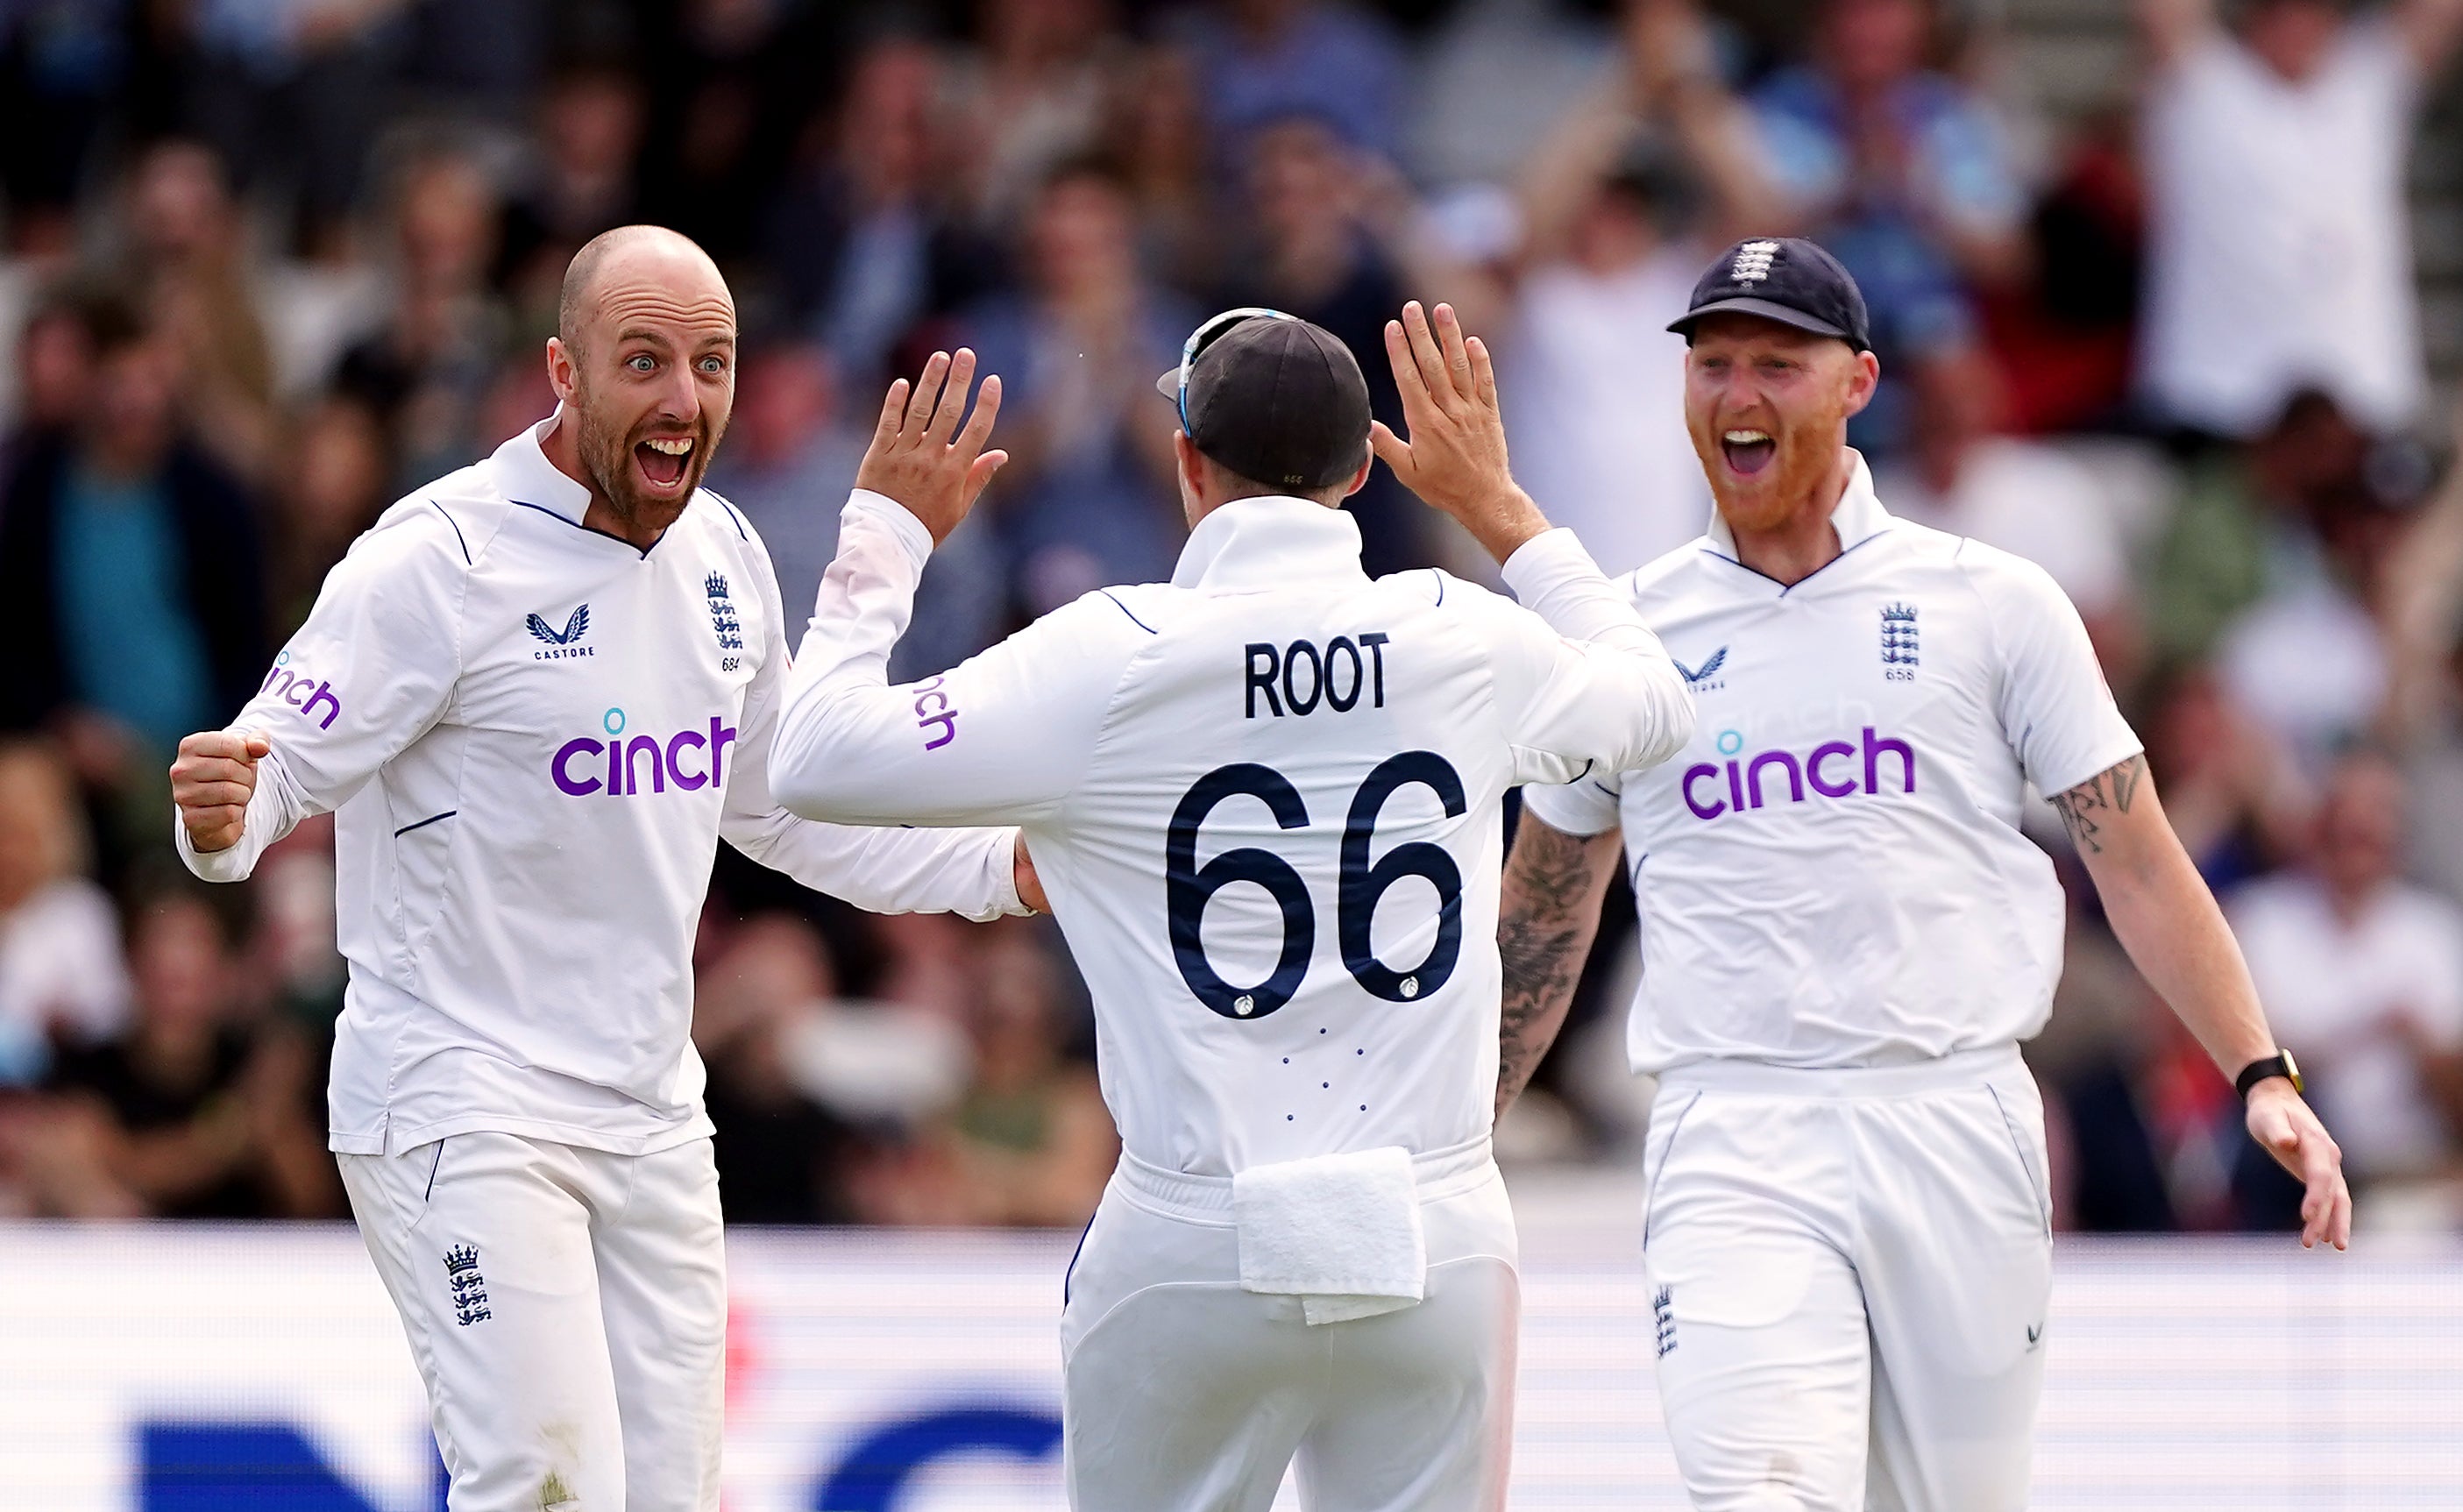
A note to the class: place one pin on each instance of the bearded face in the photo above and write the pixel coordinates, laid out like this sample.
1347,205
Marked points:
644,363
1767,407
645,463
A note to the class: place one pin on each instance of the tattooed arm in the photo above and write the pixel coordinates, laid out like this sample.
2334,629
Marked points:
2168,922
1544,925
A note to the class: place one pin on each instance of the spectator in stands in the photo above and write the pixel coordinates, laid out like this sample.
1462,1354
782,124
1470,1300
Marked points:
54,372
2362,977
188,263
1035,1141
735,88
2279,253
1266,60
1030,96
61,978
1901,172
2233,793
1333,238
580,183
1154,127
860,240
424,372
1087,498
1624,204
60,82
1964,473
338,479
203,1118
2308,657
129,572
2246,514
788,463
293,95
780,1153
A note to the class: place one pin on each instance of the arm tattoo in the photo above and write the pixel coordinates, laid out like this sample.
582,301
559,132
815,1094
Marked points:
2086,808
1543,935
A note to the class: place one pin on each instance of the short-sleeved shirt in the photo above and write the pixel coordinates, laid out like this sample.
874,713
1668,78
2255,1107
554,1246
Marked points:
2279,246
1831,873
2333,987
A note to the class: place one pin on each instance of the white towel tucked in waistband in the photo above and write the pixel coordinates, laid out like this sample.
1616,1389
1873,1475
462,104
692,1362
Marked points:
1341,1232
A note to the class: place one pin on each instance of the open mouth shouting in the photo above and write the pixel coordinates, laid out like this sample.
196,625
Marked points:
1748,450
665,462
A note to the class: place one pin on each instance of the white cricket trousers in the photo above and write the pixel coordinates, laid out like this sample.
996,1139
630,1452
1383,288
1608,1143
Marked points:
1182,1392
567,1308
1848,1271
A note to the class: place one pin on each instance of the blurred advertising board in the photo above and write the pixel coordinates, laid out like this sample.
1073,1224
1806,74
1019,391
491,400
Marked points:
210,1368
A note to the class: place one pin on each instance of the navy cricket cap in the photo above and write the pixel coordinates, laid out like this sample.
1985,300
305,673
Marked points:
1277,400
1783,279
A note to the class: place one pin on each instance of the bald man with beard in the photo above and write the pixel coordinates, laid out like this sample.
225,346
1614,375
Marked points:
535,695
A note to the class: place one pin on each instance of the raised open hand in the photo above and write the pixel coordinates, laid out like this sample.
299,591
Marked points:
1455,457
919,457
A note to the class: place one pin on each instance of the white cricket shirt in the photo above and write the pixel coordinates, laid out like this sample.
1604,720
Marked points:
533,736
1265,799
1831,873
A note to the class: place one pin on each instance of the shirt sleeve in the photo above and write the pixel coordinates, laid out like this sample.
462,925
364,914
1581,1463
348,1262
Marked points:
1002,737
971,872
371,672
1597,692
2057,711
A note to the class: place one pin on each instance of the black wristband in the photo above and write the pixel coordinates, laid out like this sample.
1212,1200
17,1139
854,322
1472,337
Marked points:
2280,1064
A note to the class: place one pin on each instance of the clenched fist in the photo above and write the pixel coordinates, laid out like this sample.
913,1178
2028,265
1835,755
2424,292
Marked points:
212,781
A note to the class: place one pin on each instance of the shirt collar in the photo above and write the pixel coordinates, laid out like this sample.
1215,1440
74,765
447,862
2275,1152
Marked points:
528,477
1858,518
1268,543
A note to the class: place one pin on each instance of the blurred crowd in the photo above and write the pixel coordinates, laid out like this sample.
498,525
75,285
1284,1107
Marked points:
271,263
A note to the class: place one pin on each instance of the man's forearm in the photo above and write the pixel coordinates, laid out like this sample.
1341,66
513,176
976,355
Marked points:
2163,913
1546,920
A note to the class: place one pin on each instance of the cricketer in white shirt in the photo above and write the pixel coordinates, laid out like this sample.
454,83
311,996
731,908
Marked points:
1266,800
1845,934
533,734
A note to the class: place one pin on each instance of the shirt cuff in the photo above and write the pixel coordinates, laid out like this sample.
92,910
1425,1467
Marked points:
231,863
1546,561
900,519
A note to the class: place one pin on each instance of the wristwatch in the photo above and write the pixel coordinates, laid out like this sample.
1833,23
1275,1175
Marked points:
2280,1064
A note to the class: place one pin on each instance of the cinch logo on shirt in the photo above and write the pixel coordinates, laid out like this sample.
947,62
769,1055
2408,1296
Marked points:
620,774
293,688
1830,769
932,711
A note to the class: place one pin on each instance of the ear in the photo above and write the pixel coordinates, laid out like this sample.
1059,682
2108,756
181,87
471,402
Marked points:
1192,465
1863,381
1360,479
562,373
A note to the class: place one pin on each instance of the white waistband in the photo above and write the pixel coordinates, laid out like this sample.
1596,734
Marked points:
1959,1069
1437,1175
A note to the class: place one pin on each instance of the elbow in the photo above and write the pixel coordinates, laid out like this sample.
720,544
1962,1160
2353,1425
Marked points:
1672,712
799,787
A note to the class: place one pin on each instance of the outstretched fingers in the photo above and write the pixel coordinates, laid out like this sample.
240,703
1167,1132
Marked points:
893,407
1406,367
979,426
1482,373
1449,341
926,395
953,402
1426,354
